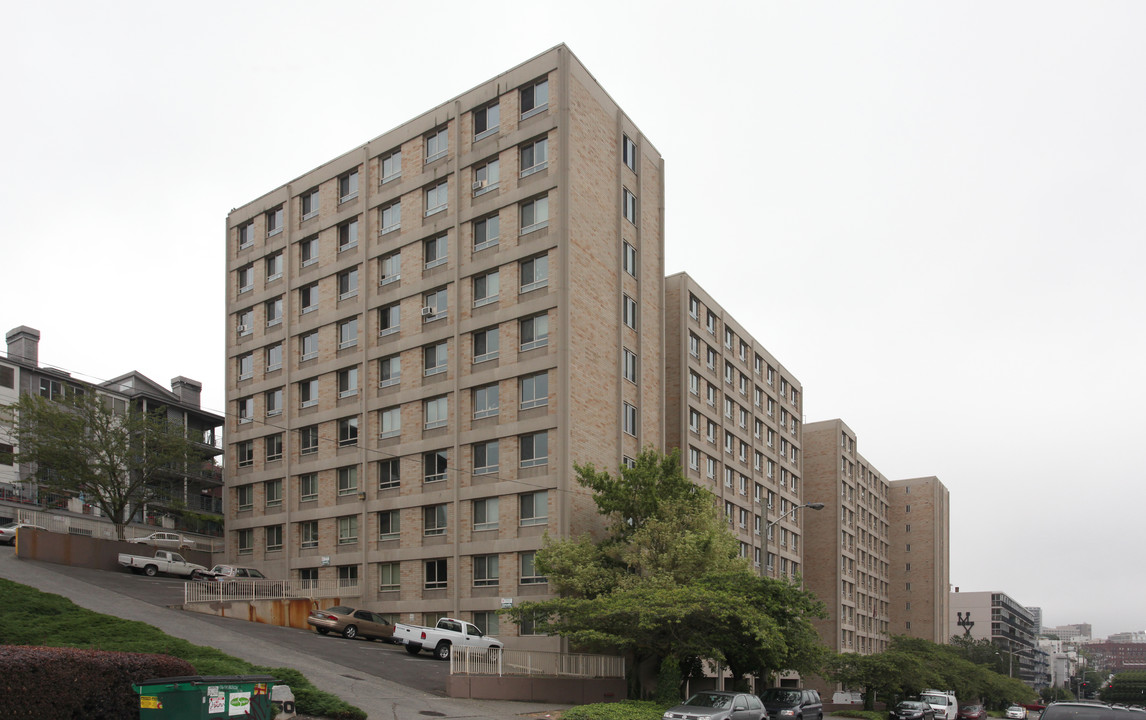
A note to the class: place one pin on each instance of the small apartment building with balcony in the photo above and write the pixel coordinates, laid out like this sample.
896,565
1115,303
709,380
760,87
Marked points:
848,542
196,487
426,333
920,511
735,413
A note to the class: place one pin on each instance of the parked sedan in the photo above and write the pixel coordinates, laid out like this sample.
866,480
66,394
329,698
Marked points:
972,712
718,705
8,532
171,540
1016,712
912,710
351,623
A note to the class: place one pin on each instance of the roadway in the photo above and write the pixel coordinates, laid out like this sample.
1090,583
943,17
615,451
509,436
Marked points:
381,678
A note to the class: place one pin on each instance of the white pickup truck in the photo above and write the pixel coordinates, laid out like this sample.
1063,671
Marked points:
443,637
164,561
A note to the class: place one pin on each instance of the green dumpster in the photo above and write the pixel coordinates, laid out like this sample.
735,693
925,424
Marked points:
206,697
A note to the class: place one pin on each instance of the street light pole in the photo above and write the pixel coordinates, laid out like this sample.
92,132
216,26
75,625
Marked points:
768,530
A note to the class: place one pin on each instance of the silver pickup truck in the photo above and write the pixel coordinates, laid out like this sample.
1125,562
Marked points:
443,637
164,561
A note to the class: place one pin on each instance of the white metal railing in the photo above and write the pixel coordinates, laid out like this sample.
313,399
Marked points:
227,590
480,661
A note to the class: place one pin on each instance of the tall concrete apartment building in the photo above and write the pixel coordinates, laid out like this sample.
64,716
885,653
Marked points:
849,540
735,413
920,511
426,333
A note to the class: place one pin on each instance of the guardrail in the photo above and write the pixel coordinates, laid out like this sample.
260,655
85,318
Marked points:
205,591
534,663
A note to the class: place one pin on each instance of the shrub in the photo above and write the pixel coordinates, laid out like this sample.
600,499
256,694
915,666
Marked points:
54,683
624,710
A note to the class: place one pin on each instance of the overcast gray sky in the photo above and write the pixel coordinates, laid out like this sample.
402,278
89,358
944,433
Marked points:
932,213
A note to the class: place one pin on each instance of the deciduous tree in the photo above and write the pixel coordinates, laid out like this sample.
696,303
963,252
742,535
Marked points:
79,444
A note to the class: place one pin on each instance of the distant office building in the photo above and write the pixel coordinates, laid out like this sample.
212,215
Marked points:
920,519
196,488
427,332
1117,656
1037,617
735,413
847,545
1077,633
998,617
1128,637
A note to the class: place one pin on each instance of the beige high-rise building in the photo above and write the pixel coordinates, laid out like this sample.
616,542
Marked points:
735,413
920,559
426,333
848,541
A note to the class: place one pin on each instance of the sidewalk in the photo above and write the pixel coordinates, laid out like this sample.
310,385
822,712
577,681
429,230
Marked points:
379,698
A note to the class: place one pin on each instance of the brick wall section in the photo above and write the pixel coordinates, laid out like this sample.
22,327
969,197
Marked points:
929,576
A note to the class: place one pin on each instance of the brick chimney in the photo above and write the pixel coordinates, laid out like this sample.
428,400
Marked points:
24,344
187,389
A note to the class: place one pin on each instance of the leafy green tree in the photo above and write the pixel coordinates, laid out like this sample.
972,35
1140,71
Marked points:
79,444
1127,687
913,664
666,582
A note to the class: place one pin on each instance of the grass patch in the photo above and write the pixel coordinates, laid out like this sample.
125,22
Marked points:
624,710
31,617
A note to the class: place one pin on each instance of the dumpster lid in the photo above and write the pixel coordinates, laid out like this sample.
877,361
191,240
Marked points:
209,680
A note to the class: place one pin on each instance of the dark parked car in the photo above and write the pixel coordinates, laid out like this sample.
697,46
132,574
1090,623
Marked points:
972,712
1081,711
718,705
793,703
351,623
912,710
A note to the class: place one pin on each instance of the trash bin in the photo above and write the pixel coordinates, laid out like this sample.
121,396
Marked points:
206,697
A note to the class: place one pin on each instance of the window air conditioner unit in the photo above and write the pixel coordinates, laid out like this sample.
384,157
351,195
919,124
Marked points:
242,328
479,184
427,311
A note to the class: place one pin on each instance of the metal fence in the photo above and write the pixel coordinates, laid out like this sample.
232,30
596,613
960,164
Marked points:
534,663
206,591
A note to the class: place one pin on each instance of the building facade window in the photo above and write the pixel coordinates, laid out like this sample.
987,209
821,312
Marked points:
308,489
485,457
436,575
534,508
436,251
308,440
348,186
534,273
534,98
437,144
487,232
485,514
348,530
435,358
389,474
629,206
437,198
390,422
534,156
435,466
348,235
534,332
485,570
486,401
486,288
486,121
348,382
486,177
389,371
308,251
529,574
389,577
389,525
534,215
629,153
435,517
392,166
348,431
534,449
436,412
348,480
485,344
274,447
308,204
390,218
534,390
245,451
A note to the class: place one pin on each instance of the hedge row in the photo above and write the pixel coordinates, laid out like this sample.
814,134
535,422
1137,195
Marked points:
55,683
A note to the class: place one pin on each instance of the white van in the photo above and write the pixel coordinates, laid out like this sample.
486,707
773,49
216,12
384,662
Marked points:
943,701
